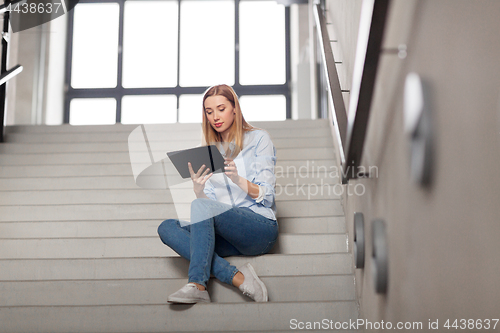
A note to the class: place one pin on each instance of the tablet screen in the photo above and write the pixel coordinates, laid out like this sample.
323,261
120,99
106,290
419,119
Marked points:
208,155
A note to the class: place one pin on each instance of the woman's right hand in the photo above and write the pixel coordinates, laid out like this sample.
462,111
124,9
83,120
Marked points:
199,179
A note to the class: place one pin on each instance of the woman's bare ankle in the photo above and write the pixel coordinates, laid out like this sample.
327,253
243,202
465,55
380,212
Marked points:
199,286
238,279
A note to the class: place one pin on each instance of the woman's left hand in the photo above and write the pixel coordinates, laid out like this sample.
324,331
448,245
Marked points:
231,171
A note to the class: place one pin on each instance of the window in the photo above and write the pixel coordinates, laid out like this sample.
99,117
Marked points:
150,44
203,58
142,61
262,45
95,29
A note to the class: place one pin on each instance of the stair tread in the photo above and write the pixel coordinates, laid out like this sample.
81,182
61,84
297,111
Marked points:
133,247
68,147
268,125
160,211
247,316
156,291
162,135
146,228
167,267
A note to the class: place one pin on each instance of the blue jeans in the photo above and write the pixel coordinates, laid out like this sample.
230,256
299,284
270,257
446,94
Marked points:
235,231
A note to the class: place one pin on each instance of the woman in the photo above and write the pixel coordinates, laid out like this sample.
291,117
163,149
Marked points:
234,213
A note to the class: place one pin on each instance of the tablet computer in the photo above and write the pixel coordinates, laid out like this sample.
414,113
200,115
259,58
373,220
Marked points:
208,155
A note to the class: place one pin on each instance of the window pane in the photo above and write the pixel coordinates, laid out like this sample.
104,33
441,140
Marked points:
262,43
92,111
95,46
263,108
190,108
207,43
149,109
150,44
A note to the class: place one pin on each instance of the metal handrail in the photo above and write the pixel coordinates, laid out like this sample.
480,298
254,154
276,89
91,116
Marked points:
339,115
352,129
365,70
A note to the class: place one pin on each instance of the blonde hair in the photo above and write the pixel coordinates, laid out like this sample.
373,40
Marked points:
238,127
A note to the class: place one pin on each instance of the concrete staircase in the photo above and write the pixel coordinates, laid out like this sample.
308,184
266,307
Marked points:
79,250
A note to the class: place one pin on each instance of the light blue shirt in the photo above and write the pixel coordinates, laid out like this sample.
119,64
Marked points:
255,163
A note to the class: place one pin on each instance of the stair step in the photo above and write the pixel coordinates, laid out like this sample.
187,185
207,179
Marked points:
153,136
67,128
303,181
100,212
212,317
134,247
299,167
168,267
116,128
122,196
124,157
81,147
156,291
146,228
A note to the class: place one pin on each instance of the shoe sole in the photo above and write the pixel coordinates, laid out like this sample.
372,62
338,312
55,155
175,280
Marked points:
186,301
256,277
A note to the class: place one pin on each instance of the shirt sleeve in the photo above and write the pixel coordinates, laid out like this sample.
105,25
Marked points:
265,161
209,190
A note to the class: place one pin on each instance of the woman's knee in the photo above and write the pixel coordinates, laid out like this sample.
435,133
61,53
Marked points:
166,227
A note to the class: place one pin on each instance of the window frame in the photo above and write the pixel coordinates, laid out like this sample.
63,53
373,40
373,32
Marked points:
119,91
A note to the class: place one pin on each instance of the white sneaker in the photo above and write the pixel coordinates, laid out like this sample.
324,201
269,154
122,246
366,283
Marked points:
252,286
189,294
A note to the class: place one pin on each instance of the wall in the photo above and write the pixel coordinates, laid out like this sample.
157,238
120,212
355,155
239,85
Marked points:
300,59
36,95
24,49
54,96
444,254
